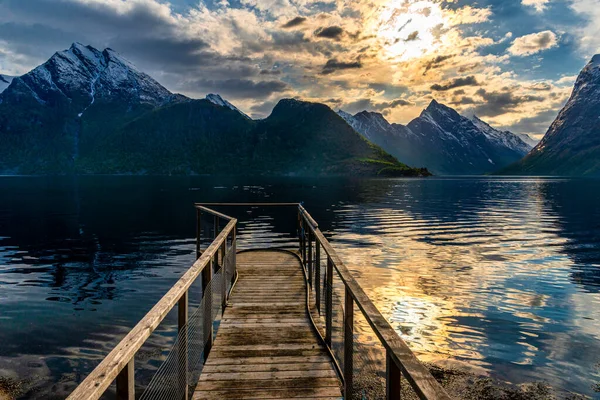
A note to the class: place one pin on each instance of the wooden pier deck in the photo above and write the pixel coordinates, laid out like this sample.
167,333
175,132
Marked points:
266,347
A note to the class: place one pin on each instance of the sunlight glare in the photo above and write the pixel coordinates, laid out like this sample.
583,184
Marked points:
409,29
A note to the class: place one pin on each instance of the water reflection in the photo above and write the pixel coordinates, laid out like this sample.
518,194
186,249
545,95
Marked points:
497,275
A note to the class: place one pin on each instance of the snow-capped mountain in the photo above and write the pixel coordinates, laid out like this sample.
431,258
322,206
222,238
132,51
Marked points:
83,75
502,138
442,140
218,100
5,81
571,146
528,139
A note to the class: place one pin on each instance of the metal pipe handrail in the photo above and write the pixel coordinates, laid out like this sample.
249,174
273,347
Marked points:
399,358
119,363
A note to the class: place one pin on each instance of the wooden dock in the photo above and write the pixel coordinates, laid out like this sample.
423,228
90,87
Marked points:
266,347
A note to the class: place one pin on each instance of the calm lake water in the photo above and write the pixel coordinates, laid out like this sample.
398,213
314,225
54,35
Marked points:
499,276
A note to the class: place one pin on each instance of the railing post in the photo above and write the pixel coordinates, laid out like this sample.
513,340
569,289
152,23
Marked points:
310,257
300,232
126,382
198,232
216,227
329,302
224,276
318,274
348,343
392,378
182,320
207,311
234,249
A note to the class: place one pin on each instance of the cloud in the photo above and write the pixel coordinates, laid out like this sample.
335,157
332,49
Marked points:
540,86
499,102
436,62
241,88
333,65
533,43
454,83
330,32
538,5
368,104
534,125
589,30
294,22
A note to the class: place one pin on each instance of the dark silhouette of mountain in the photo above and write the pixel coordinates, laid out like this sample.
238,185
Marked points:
572,144
442,140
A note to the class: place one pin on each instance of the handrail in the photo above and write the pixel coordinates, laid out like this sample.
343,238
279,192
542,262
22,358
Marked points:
119,363
400,359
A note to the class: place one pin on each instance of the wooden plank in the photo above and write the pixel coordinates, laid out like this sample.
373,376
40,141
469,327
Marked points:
270,367
269,384
266,347
331,392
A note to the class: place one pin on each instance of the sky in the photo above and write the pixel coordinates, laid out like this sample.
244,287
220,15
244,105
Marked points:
510,62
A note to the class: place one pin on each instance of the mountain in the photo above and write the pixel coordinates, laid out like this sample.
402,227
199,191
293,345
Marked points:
66,106
90,111
528,139
5,81
442,140
218,100
200,137
571,146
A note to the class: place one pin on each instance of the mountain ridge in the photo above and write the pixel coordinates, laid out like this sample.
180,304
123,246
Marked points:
91,111
442,140
571,145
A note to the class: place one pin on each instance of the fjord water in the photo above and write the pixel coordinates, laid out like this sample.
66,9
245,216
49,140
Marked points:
500,276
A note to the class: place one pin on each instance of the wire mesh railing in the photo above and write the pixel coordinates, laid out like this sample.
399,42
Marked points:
371,364
178,374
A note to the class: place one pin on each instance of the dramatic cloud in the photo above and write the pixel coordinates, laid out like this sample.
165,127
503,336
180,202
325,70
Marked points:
454,83
294,22
533,43
330,32
240,88
364,53
333,65
496,103
370,105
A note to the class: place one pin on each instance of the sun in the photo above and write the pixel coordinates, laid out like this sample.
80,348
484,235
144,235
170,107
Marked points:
408,29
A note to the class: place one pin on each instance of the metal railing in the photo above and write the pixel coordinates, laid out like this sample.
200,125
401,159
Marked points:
195,334
399,359
220,258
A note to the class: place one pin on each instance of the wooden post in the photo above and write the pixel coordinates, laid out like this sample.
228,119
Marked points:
224,276
234,256
310,258
392,378
126,382
198,232
299,232
329,302
318,274
348,343
207,311
182,320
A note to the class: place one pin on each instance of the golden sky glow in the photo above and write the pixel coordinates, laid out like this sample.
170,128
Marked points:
511,62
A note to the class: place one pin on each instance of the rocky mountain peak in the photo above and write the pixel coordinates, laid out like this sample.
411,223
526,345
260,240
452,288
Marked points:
82,74
218,100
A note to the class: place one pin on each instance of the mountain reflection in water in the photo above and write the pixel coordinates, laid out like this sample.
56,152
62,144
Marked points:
497,275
